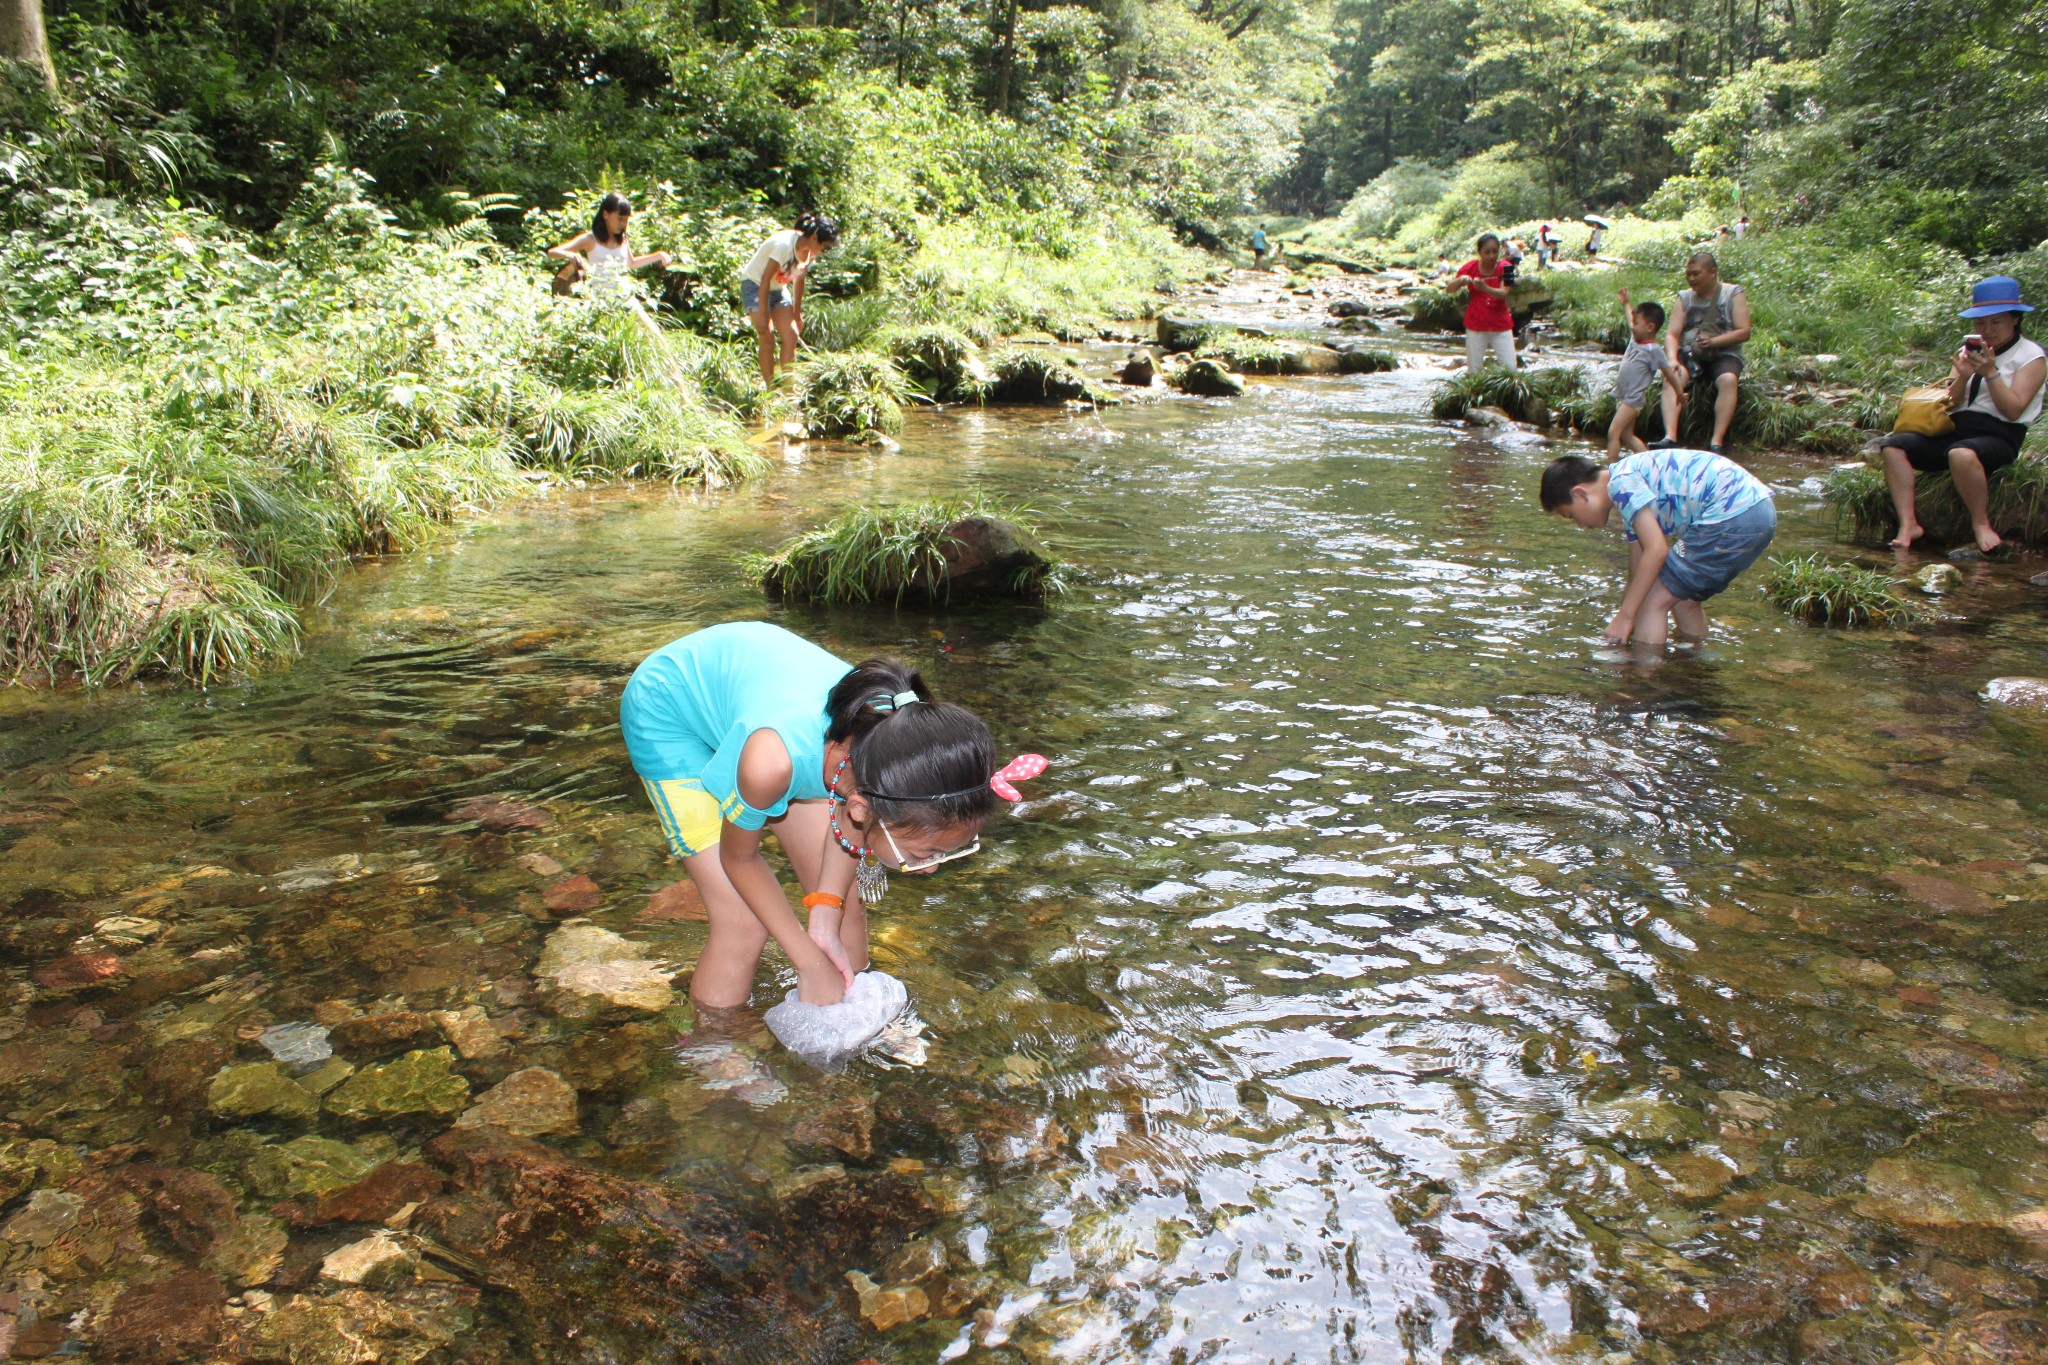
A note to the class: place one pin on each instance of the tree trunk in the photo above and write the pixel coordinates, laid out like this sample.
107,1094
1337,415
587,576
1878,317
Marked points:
1006,58
23,40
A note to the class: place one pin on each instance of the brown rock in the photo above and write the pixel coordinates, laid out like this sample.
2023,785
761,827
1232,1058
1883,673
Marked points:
847,1126
2004,1337
527,1103
1940,894
78,971
373,1199
1918,995
166,1323
500,817
540,865
675,902
376,1035
474,1033
573,896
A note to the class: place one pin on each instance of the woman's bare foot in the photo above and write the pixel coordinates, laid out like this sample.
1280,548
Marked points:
1987,539
1908,533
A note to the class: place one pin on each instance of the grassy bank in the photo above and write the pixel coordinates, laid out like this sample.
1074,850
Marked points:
199,427
2018,504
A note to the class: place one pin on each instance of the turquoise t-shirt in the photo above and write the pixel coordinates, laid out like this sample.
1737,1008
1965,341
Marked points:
1683,488
690,706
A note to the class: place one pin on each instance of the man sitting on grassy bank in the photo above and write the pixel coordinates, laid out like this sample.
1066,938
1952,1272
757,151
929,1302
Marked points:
1994,391
1708,328
1694,521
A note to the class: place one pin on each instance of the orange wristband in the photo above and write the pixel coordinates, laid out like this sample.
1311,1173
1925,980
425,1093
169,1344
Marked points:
817,898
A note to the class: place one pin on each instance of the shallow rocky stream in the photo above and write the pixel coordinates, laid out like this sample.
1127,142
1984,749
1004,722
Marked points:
1383,972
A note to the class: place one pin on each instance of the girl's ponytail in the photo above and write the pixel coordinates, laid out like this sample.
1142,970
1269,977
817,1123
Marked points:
817,227
922,764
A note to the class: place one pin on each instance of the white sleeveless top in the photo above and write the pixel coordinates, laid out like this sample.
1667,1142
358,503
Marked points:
2010,361
608,263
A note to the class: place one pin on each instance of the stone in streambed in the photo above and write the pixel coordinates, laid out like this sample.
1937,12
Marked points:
165,1323
1359,360
591,968
890,1307
422,1082
528,1103
2024,694
678,902
48,1215
1139,371
1208,379
241,1092
500,817
356,1327
474,1034
1181,331
377,1035
249,1252
297,1044
376,1262
313,1165
1929,1194
573,896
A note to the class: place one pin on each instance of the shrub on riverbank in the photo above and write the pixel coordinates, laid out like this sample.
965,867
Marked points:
921,550
2018,506
1527,395
1833,593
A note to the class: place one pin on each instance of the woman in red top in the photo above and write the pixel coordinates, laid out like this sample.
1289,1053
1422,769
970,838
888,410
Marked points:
1489,326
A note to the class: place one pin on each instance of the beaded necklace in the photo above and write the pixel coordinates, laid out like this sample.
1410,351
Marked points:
869,875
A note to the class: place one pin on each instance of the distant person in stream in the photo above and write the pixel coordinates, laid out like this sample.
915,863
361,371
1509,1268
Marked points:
1260,247
601,255
1595,239
1694,521
1708,327
1641,364
772,286
1489,326
744,729
1546,245
1994,391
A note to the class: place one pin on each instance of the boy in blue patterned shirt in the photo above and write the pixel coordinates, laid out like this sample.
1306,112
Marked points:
1694,520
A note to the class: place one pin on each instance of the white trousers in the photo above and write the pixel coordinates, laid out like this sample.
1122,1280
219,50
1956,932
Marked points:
1500,344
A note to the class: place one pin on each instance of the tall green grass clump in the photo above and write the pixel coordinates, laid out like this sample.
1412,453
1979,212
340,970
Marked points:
2018,505
1436,310
1833,593
911,551
849,393
1527,395
943,362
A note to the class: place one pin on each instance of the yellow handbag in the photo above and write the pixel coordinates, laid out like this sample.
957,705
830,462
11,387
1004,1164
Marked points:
1924,411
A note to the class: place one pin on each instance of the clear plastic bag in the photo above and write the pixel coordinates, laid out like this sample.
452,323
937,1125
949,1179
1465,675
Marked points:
826,1035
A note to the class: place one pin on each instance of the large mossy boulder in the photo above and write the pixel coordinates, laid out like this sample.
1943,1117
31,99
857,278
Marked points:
942,361
1180,330
1023,375
1208,379
926,551
1436,310
1527,297
1361,360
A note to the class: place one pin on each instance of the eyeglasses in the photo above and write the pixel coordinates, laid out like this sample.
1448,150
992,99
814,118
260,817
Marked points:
904,864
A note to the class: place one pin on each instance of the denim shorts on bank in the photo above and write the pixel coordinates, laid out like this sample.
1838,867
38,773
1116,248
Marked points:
750,297
1713,554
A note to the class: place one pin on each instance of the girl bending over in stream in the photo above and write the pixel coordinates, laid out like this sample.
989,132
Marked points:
772,286
744,728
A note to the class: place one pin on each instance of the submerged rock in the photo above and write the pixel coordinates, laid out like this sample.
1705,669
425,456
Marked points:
356,1327
1929,1194
377,1035
376,1262
170,1322
296,1044
656,1273
573,896
313,1165
376,1198
48,1215
527,1103
591,968
1936,579
1139,371
500,816
472,1032
678,902
2027,694
257,1088
422,1082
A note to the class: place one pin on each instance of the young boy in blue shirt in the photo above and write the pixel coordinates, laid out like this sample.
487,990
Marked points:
1694,521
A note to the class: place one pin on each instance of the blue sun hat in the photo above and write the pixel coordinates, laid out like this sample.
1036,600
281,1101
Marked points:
1996,294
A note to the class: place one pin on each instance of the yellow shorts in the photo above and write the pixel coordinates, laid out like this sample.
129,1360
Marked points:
689,814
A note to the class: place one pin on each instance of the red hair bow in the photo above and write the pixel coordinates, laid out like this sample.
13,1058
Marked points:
1022,768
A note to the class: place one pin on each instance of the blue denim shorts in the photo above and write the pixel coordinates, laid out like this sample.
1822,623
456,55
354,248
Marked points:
750,297
1713,555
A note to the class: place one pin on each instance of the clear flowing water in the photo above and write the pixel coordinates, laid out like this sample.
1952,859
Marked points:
1382,972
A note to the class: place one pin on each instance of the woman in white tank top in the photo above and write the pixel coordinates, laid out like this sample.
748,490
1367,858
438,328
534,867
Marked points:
602,252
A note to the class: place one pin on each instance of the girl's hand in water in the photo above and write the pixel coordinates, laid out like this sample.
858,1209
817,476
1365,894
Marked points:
819,986
824,932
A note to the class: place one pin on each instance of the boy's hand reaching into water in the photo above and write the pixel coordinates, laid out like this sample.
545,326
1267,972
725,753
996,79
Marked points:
1619,630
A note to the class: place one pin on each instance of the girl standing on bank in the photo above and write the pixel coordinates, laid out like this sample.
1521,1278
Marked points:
772,286
744,728
602,252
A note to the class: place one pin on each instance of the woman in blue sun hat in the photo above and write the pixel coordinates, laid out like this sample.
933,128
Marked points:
1994,390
